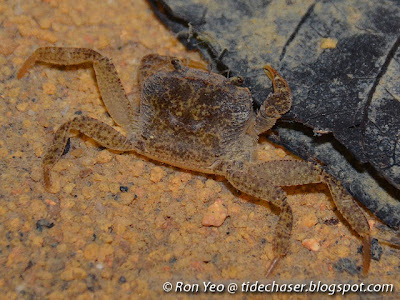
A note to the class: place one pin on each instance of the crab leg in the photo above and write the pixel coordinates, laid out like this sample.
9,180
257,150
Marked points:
353,214
261,188
264,180
112,93
111,89
104,134
276,104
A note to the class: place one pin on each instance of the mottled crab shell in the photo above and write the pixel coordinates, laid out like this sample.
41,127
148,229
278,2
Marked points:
203,113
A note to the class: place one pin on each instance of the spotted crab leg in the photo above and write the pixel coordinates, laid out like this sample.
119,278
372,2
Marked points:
353,214
264,181
104,134
112,93
111,89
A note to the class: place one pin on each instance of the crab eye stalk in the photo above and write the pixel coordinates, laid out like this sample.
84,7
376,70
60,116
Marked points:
238,80
177,64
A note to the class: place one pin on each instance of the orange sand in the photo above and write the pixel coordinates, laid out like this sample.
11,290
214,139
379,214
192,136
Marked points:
108,241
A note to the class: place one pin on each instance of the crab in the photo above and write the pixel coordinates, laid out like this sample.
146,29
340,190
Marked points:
201,121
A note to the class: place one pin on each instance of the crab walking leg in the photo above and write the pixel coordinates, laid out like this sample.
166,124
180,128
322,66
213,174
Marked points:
283,231
104,134
55,151
258,187
264,180
111,89
353,215
287,173
276,104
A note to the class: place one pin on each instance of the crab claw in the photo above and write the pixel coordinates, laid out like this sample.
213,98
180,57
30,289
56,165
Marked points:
270,72
279,84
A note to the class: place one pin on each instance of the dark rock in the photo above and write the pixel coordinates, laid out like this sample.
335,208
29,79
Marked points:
350,90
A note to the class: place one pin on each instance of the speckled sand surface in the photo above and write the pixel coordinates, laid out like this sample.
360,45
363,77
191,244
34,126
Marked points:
117,226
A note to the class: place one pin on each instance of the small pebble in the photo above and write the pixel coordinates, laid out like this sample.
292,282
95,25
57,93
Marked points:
122,280
371,224
44,275
85,172
49,88
77,152
3,152
43,121
342,250
37,241
280,152
7,46
103,157
88,192
37,207
47,36
105,250
123,189
311,244
2,211
103,42
104,187
213,185
328,43
69,187
157,173
216,214
73,273
114,187
39,151
90,252
45,23
99,177
309,221
14,223
43,223
22,106
36,174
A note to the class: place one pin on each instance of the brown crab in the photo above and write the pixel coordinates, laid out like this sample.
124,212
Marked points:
198,120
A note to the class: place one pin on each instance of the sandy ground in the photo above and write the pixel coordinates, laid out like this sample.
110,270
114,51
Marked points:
119,225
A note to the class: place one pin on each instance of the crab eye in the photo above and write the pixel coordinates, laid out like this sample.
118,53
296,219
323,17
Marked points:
176,63
238,80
